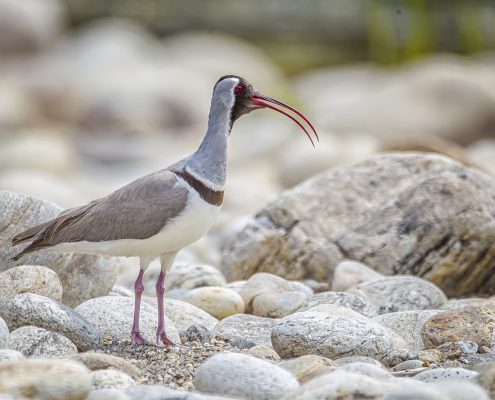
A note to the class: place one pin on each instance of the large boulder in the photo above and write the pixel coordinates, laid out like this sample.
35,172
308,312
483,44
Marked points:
399,213
83,276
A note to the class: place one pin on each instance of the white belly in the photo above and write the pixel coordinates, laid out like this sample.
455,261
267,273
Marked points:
190,225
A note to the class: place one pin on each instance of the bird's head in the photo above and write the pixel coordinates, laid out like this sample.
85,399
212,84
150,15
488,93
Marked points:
241,98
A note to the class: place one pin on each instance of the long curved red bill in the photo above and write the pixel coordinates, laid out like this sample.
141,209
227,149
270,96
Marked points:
264,101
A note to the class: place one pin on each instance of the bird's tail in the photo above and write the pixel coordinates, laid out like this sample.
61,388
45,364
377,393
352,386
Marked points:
26,236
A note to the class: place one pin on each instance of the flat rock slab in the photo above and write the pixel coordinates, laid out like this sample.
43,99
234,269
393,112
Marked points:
33,309
405,213
336,336
239,375
113,316
83,276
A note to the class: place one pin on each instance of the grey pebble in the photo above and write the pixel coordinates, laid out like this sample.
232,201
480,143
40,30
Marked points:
195,333
33,309
111,379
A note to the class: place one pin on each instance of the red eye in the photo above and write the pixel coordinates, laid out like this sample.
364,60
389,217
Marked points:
238,89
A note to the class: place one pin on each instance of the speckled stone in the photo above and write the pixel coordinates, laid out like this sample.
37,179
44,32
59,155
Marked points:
10,355
243,376
457,324
29,279
113,316
401,293
219,302
33,309
336,336
343,299
442,374
49,379
245,331
111,379
406,365
36,342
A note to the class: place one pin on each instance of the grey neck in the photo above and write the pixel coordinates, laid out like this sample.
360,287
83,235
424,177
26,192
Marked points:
209,162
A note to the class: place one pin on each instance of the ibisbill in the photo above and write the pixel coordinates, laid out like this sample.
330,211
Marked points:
159,214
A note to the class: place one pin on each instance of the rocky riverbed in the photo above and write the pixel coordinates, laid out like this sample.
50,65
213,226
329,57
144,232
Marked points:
326,299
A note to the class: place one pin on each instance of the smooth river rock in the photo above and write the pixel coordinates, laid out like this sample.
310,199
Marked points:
4,334
243,376
349,273
344,299
399,213
49,379
83,276
33,309
335,337
217,301
113,316
29,279
245,331
34,342
470,323
401,293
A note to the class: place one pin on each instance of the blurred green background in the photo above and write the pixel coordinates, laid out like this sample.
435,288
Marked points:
312,33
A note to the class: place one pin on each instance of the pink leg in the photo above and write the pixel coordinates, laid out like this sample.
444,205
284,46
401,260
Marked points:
160,332
136,337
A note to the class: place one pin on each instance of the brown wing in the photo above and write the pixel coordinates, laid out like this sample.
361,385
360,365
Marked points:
136,211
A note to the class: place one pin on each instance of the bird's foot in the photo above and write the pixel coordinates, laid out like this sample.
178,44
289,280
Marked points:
161,337
137,338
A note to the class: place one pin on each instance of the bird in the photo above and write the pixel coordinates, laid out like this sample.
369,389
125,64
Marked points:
157,215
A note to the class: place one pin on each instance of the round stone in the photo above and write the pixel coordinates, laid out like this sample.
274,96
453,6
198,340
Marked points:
349,273
239,375
33,309
219,302
245,331
113,316
36,342
401,293
111,379
336,336
49,379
